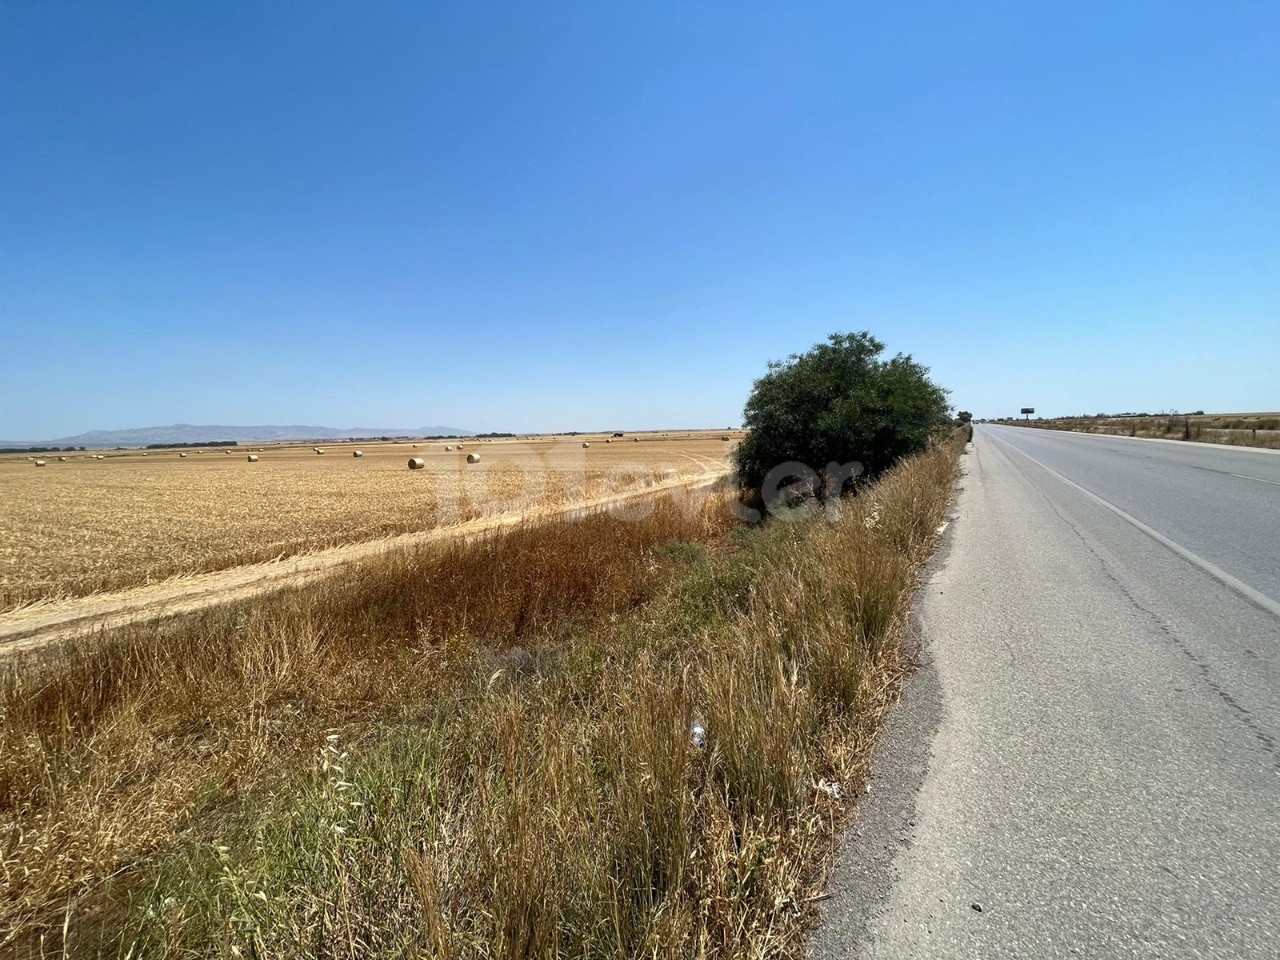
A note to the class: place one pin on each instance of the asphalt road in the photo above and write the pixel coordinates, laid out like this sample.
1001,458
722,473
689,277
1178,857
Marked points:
1090,753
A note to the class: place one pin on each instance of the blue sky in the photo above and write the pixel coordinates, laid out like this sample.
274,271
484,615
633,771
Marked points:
587,215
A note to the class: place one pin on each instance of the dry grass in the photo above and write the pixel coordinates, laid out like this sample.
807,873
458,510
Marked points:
1239,430
107,751
88,525
483,751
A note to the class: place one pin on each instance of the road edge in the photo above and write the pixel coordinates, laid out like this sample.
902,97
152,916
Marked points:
883,821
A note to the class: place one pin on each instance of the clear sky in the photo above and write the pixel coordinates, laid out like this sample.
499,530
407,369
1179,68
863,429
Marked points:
593,215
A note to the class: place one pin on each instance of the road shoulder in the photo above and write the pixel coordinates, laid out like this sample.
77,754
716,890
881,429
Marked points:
884,819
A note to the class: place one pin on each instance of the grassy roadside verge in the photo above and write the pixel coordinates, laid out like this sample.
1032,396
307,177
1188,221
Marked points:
482,751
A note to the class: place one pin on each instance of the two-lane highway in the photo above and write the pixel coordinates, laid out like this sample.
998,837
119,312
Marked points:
1221,503
1088,763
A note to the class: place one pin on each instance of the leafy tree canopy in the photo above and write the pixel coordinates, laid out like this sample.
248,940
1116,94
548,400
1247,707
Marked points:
837,403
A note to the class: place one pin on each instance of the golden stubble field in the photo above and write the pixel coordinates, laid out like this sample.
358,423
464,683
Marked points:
86,525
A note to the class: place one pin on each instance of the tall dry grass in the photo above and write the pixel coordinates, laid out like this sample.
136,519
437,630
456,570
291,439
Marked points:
485,753
110,749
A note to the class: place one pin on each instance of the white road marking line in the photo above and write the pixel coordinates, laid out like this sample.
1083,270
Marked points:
1259,479
1239,586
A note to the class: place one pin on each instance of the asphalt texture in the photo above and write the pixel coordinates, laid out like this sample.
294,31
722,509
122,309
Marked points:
1087,762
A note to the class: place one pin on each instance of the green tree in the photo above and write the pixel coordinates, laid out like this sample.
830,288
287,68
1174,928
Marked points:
838,403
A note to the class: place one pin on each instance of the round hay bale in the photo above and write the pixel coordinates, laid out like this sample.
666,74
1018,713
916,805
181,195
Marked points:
724,438
448,449
585,444
357,453
62,459
635,439
319,451
473,458
39,463
416,463
253,458
415,446
183,455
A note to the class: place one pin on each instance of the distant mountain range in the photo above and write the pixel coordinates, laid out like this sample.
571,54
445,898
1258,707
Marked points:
180,433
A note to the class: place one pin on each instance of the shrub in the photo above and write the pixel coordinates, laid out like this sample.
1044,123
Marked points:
838,403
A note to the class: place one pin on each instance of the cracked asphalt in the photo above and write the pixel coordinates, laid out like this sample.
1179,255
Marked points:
1087,763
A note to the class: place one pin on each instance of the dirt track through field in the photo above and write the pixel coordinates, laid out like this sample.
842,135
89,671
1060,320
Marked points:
30,628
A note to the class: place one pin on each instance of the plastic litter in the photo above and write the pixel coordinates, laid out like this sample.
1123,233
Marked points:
832,789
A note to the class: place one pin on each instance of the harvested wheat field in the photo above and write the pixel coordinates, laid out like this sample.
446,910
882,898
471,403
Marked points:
88,525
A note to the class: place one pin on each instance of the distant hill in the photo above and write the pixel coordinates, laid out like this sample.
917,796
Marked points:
180,433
